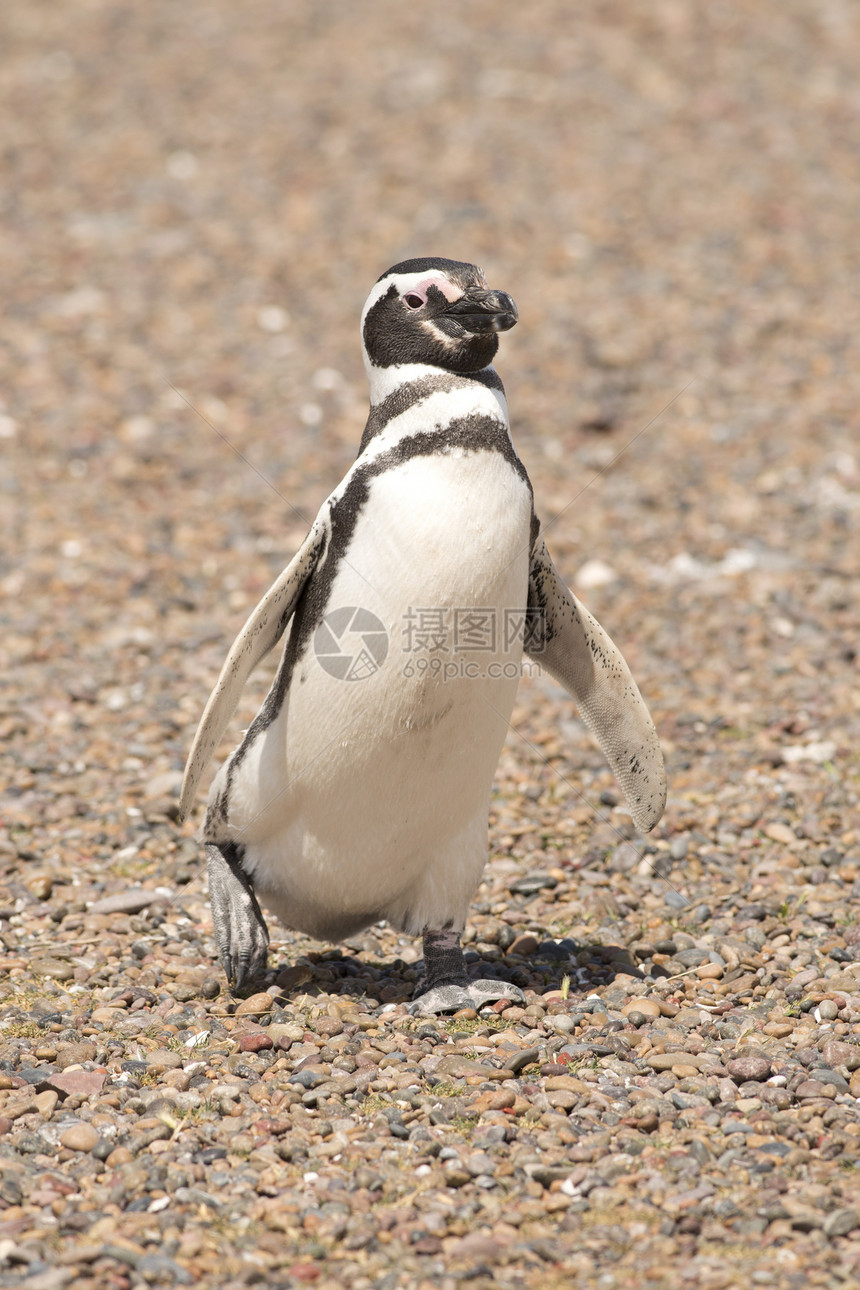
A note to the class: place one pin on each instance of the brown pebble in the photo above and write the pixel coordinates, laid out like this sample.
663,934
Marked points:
749,1066
779,1029
668,1061
254,1043
293,977
328,1026
56,969
47,1101
646,1007
119,1156
837,1053
492,1101
255,1006
72,1083
814,1088
178,1079
524,945
162,1059
75,1054
79,1137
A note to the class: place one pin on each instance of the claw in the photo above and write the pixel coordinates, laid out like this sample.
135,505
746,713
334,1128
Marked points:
240,928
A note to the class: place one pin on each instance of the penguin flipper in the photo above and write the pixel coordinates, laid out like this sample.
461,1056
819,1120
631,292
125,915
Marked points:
564,638
263,629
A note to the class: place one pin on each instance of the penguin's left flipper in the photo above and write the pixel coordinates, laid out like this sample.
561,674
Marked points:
563,637
240,928
260,634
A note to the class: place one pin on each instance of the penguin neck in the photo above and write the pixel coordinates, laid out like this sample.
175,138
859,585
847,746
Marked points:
408,397
385,381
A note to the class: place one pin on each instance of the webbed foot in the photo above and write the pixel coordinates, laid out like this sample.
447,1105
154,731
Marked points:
446,985
240,928
477,994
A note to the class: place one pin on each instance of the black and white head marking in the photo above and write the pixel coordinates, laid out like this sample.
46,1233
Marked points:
434,312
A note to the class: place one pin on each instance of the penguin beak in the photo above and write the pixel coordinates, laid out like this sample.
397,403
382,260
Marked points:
479,311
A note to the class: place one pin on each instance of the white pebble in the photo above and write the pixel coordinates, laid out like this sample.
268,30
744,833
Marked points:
596,573
272,318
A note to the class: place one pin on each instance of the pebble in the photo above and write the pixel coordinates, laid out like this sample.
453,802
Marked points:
78,1083
644,1007
749,1067
162,1059
79,1137
56,969
255,1006
525,945
840,1222
255,1043
126,902
74,1054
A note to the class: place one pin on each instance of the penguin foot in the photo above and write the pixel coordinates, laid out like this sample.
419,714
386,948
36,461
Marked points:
240,928
451,998
445,985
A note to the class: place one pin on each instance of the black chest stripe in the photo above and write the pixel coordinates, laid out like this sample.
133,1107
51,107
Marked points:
413,392
470,434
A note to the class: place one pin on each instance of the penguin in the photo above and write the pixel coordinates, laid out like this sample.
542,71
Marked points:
361,789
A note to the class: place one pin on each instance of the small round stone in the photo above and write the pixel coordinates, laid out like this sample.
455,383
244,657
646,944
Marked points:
80,1137
162,1059
750,1066
41,887
255,1006
645,1008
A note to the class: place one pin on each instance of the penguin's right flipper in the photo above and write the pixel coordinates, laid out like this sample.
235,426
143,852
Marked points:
240,928
262,631
563,637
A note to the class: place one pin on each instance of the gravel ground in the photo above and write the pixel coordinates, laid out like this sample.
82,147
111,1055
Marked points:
197,199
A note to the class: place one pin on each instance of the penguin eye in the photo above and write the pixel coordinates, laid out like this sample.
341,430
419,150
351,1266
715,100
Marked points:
412,300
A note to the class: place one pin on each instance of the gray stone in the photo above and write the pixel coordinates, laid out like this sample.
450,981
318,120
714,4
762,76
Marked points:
840,1222
126,902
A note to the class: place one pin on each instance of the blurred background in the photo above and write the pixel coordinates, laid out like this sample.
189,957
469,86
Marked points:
196,200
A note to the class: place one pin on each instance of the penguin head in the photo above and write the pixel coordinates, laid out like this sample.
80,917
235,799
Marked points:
435,312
